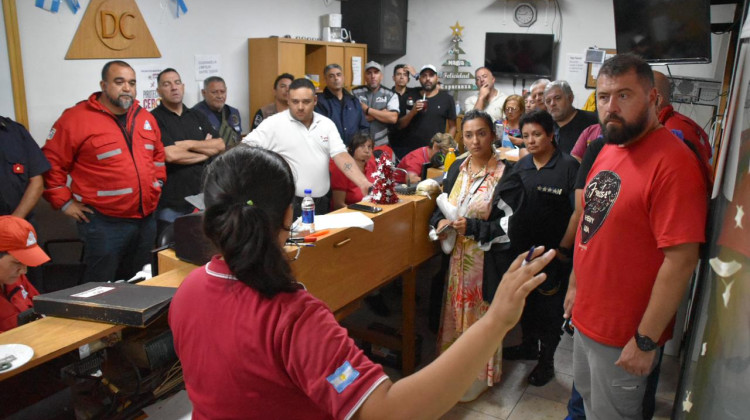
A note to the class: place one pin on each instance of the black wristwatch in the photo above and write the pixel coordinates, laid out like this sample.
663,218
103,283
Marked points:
644,343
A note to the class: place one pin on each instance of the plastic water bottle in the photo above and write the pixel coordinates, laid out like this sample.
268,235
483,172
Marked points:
308,212
499,131
449,159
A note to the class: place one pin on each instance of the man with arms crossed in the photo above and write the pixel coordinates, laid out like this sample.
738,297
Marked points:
645,194
379,104
307,140
189,141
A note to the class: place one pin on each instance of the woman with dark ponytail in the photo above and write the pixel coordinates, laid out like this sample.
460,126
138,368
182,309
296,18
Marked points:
254,344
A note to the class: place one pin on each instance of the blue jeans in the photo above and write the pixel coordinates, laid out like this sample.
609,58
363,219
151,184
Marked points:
116,248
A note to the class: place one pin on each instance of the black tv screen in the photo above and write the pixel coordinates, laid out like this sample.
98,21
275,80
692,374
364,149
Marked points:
524,56
664,31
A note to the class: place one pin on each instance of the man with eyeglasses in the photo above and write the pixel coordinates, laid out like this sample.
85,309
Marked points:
488,99
189,142
108,146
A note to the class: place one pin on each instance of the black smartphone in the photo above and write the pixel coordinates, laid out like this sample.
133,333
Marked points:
362,207
568,327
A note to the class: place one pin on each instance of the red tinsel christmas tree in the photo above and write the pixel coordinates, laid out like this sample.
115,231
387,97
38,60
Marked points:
384,188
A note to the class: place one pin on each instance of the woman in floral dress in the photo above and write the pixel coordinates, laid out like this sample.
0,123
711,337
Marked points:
470,186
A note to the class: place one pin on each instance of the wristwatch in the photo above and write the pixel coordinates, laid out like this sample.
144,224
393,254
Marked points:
644,343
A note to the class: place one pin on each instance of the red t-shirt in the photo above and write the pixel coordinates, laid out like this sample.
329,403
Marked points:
248,357
340,182
638,199
412,162
16,299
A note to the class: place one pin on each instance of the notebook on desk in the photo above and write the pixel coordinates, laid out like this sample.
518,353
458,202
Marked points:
115,303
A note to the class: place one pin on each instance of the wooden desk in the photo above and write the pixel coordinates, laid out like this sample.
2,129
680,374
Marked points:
399,237
51,336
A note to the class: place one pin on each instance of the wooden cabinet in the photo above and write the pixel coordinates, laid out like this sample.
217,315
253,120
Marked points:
269,57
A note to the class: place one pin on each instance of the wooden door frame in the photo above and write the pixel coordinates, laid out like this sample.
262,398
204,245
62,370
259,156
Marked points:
15,61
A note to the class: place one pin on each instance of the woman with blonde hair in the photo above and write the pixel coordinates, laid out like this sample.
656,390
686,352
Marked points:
513,108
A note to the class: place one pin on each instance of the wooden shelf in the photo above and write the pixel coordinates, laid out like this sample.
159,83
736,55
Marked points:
270,57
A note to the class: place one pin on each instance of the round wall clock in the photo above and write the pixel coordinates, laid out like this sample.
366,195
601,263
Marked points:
524,15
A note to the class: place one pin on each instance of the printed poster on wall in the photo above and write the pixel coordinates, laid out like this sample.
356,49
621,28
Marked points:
146,86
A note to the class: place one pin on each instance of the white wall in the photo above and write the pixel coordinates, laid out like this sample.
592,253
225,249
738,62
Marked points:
210,27
585,23
222,27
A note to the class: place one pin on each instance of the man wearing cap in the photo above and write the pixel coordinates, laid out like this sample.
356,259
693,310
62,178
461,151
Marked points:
379,104
110,149
18,250
340,106
488,99
424,112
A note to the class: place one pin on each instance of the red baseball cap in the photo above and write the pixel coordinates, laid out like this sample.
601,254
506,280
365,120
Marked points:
18,238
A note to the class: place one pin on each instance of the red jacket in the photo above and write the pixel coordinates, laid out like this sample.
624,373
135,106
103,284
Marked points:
15,299
88,143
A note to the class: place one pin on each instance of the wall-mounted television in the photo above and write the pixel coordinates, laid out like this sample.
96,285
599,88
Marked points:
664,31
521,56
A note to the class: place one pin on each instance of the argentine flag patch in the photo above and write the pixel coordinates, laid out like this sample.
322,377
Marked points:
343,377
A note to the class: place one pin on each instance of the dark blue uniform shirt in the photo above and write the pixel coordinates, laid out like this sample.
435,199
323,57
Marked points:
21,159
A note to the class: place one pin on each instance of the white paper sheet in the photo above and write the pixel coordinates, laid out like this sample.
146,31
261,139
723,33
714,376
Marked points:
356,71
340,220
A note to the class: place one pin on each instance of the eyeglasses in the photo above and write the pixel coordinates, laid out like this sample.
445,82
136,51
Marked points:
511,109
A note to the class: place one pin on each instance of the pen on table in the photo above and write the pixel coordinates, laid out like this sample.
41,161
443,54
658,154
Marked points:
528,256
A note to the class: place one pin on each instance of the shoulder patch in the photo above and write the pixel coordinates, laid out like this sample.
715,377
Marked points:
51,134
343,377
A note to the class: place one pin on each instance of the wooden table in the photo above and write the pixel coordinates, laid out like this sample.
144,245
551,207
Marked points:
51,336
399,238
347,264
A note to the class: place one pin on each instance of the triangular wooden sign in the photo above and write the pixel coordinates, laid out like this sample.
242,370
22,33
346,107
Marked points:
112,29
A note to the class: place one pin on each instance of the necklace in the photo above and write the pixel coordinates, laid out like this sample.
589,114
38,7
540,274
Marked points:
472,174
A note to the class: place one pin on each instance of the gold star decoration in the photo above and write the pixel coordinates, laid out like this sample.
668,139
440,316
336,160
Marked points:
457,29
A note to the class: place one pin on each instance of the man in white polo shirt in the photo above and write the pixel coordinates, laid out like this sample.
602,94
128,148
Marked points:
306,140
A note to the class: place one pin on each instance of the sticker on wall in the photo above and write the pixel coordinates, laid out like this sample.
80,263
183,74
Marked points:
687,405
725,270
112,29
